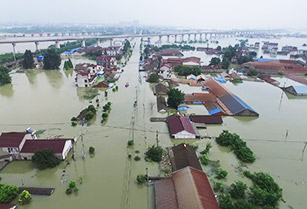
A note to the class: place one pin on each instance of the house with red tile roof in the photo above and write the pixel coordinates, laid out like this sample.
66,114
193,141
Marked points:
187,188
181,127
22,146
7,206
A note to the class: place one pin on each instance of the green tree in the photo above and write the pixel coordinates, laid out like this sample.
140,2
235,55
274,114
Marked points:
141,179
187,70
52,60
28,60
242,204
219,48
225,202
237,190
207,149
45,159
24,197
218,187
221,174
175,98
5,77
225,63
8,193
215,61
154,153
204,159
153,78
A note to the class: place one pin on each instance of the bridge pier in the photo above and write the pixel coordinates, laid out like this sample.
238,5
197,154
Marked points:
189,37
200,37
160,39
14,51
83,43
37,45
98,42
175,38
167,38
57,44
195,36
111,41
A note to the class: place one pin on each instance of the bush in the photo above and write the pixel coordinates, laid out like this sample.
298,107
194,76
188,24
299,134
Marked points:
187,70
45,159
153,78
72,184
105,115
137,151
68,191
225,202
204,159
91,150
74,123
24,197
252,72
194,146
8,193
221,174
5,77
237,190
74,119
141,179
207,149
137,158
92,109
130,143
218,187
154,153
89,115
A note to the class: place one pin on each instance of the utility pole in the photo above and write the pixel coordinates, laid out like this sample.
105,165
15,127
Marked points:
157,138
303,151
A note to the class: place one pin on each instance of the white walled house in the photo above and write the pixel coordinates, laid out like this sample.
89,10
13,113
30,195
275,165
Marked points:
181,127
165,72
84,79
21,145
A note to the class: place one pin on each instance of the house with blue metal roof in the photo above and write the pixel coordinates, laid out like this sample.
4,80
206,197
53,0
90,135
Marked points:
237,106
297,90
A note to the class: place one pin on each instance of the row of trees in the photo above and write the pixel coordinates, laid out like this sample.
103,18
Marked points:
243,153
187,70
175,46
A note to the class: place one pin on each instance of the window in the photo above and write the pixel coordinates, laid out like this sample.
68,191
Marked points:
85,81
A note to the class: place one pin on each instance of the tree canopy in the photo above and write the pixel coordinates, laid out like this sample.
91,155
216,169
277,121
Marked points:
215,61
45,159
187,70
175,98
8,193
153,78
5,77
24,197
28,60
154,153
52,60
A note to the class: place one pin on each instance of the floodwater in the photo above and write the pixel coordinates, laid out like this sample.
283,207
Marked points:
47,100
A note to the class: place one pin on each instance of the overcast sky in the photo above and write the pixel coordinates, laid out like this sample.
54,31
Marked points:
219,14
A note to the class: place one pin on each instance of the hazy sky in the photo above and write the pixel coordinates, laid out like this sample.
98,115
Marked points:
220,14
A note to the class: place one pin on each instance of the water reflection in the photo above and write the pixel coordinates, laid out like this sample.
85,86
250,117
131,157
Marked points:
7,90
68,73
31,75
55,78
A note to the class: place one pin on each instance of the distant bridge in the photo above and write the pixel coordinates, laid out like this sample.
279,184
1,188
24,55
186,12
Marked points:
57,38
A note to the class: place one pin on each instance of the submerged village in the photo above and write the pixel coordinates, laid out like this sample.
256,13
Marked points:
190,120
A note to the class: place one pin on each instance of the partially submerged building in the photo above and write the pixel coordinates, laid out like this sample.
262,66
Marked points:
181,127
22,146
206,119
161,104
183,155
296,90
187,188
160,89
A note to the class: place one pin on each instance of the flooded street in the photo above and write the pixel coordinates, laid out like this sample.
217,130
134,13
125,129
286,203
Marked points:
47,100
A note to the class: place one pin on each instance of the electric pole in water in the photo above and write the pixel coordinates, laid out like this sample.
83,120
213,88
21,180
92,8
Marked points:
157,138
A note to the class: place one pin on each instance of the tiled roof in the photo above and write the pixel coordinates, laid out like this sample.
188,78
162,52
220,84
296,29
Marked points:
207,119
12,139
32,146
178,123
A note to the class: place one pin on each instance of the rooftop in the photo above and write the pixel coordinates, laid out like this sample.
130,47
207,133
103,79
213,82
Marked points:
184,155
178,123
31,146
206,119
12,139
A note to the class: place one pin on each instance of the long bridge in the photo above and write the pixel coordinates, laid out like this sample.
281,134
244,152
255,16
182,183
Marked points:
58,37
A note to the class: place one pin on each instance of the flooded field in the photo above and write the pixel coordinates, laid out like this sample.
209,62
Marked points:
47,100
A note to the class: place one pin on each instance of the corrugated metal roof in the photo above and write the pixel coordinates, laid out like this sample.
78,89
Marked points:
32,146
300,90
12,139
207,119
234,103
